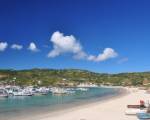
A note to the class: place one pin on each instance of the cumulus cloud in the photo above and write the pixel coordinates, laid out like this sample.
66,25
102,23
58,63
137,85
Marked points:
107,54
33,47
16,47
69,44
65,44
3,46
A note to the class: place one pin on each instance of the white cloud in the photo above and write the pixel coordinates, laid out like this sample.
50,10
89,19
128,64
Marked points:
65,44
33,47
107,54
68,44
16,47
3,46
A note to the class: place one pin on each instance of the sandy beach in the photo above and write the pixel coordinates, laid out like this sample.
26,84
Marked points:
113,109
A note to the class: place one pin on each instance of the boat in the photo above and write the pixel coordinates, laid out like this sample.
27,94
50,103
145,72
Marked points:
17,91
134,111
41,91
3,93
21,92
143,116
87,85
82,89
57,90
136,106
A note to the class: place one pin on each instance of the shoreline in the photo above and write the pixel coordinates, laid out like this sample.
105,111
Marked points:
121,93
46,115
113,109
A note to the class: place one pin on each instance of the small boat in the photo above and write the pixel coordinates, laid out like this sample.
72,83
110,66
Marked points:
82,89
143,116
140,106
87,85
41,91
134,111
17,91
20,92
3,93
56,90
135,106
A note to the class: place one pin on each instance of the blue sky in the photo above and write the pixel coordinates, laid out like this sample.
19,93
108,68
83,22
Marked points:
98,35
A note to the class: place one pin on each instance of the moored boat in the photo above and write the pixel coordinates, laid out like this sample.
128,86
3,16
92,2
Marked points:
82,89
57,90
3,93
17,91
87,85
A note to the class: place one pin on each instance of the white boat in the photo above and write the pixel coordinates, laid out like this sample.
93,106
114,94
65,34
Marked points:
134,111
82,89
90,85
71,90
3,93
37,90
57,90
21,92
42,91
17,91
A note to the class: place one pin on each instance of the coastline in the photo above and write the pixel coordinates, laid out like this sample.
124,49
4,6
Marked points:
65,109
113,108
121,92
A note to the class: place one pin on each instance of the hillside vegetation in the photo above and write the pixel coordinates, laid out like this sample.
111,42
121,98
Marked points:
51,77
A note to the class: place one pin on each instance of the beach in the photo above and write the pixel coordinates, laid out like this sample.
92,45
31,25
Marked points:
113,108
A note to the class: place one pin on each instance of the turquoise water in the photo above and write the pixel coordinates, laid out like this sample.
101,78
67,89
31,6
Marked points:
13,106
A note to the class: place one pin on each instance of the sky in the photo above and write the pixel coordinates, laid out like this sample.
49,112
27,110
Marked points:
107,36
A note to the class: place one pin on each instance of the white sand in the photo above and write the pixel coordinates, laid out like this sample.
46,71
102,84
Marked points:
113,109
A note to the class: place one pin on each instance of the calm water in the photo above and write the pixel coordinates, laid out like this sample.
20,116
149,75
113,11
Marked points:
15,106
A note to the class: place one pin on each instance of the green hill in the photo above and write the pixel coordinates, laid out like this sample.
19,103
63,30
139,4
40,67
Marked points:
48,77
